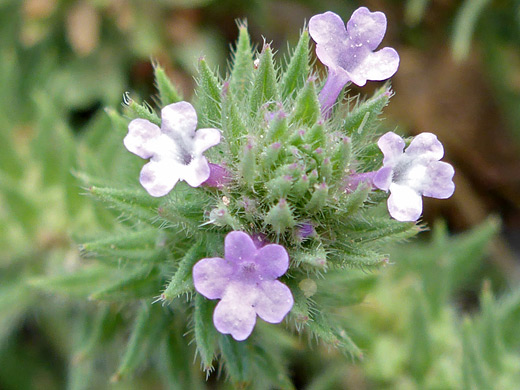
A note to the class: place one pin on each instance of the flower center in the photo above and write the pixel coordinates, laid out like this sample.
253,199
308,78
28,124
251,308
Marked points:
249,267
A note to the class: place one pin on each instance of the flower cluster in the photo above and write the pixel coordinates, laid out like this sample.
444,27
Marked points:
245,279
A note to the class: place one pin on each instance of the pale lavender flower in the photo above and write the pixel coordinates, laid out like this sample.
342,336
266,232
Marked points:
175,150
413,173
349,53
245,281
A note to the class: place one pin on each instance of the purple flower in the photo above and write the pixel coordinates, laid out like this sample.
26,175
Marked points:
349,53
219,176
245,281
175,150
416,171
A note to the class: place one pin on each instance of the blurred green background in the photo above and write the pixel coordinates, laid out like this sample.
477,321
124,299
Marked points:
62,62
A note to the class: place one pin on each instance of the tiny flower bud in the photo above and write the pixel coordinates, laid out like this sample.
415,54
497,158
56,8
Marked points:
280,217
319,198
308,287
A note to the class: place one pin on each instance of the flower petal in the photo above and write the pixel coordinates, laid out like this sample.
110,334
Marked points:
383,178
379,65
205,139
238,246
439,184
158,178
211,276
179,119
272,261
327,28
196,172
392,147
366,28
140,138
219,176
274,301
330,35
404,203
236,317
426,146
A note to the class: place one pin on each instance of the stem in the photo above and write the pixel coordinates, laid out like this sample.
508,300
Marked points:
330,92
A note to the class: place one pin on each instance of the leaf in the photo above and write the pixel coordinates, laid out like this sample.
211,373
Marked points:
147,328
465,23
21,206
237,359
132,203
208,96
79,284
181,282
265,85
242,69
298,68
168,94
205,332
141,110
421,355
307,107
320,327
134,246
144,282
362,118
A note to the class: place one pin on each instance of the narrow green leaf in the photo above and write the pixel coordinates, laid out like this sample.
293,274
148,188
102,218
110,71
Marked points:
465,23
143,110
474,372
144,334
233,126
491,340
338,338
168,94
133,203
209,96
307,106
15,300
138,247
53,144
363,117
22,207
176,363
205,332
102,317
237,359
372,229
421,341
181,282
271,368
119,122
247,166
242,70
415,11
265,86
298,69
79,284
144,282
11,163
